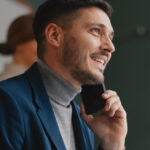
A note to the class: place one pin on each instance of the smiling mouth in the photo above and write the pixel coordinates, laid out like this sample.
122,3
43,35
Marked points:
99,59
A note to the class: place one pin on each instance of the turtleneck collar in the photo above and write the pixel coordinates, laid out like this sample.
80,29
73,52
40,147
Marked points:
57,88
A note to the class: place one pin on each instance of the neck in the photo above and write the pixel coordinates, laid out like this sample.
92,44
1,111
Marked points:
18,59
63,72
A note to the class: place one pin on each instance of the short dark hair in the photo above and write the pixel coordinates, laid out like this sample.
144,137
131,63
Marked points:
52,11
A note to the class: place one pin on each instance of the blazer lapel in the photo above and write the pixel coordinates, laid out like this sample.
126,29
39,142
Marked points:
84,138
45,111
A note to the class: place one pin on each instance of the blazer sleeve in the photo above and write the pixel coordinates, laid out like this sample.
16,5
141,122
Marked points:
11,123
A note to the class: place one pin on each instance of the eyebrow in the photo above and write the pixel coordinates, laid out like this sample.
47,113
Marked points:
101,26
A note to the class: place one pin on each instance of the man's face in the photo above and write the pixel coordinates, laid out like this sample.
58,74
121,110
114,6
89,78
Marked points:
88,46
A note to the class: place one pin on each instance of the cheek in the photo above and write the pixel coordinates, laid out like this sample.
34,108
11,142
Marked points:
82,53
91,43
89,46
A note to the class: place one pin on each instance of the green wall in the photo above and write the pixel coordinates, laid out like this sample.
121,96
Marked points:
128,72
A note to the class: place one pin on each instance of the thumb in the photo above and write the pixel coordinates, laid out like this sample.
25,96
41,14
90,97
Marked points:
87,118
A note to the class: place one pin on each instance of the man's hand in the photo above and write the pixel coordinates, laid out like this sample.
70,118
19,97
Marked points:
111,125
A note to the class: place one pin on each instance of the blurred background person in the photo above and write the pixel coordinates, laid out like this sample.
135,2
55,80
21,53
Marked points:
21,45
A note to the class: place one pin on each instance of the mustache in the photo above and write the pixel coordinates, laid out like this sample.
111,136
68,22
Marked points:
104,53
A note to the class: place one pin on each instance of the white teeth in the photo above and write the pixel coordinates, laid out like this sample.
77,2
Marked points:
102,61
99,60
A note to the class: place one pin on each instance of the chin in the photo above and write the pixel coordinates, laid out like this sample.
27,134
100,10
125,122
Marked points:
98,73
95,79
99,79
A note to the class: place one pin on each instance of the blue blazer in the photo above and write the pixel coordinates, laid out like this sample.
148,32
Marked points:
27,121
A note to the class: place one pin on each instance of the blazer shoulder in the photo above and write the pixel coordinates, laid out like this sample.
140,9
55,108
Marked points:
14,84
17,89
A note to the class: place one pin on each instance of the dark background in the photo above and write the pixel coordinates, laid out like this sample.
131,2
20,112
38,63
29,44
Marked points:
128,72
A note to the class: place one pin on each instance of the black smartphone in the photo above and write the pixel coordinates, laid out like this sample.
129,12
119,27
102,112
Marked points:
91,97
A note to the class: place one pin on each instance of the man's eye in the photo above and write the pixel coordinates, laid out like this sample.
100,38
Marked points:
95,30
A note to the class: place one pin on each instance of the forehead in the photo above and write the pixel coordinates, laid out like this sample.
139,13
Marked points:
93,15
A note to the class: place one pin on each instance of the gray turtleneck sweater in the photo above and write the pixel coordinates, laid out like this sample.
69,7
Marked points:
60,94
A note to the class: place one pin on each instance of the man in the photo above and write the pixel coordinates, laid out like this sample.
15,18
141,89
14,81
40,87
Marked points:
37,110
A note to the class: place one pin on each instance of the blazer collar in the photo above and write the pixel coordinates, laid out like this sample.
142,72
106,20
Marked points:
45,111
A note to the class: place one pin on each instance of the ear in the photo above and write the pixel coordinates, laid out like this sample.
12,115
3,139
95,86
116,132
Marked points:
53,34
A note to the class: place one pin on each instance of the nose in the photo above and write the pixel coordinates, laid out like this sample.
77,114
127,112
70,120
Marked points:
107,44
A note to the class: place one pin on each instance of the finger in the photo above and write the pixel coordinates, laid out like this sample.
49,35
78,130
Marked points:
121,113
84,116
108,93
112,100
82,109
114,108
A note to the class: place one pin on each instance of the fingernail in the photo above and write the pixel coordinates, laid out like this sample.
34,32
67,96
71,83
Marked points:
105,94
